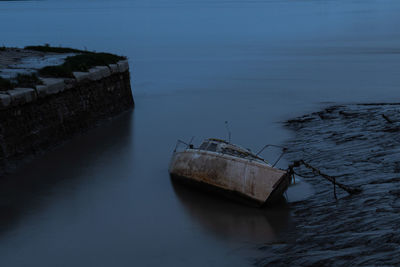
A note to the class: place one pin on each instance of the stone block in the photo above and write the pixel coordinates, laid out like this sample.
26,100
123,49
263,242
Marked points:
99,72
69,83
80,76
95,74
113,68
5,101
22,95
104,71
51,86
123,65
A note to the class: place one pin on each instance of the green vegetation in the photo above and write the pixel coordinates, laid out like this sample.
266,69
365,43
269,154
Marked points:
3,48
22,80
27,80
5,84
82,62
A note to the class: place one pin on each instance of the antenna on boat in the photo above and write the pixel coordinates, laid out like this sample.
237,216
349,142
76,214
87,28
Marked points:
229,131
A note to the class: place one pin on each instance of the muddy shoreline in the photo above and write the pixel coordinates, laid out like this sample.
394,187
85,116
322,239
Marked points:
360,145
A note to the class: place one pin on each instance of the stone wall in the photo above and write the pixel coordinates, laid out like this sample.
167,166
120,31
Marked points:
35,119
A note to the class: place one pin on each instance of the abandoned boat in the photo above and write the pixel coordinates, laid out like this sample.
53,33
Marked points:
228,169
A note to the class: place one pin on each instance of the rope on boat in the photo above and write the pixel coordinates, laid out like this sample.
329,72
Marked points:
331,179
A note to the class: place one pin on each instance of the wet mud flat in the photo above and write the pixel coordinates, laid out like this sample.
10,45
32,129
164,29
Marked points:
360,145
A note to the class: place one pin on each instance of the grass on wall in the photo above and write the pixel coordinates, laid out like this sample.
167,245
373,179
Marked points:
81,62
5,84
21,80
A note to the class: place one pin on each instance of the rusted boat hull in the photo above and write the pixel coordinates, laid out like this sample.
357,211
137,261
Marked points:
250,182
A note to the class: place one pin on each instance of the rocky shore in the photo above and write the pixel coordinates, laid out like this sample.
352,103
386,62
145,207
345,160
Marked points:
360,145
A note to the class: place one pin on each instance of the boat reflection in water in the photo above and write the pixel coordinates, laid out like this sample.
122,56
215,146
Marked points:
233,220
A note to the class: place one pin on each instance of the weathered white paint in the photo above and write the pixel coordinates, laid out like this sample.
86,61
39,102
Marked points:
252,178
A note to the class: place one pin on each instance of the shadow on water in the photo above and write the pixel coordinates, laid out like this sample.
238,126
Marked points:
232,220
53,172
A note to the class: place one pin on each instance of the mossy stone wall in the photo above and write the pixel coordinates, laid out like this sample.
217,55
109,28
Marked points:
32,127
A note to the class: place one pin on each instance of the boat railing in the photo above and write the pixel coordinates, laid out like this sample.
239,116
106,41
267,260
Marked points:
179,143
284,149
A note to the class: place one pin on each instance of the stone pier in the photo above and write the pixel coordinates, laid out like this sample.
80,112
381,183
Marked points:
53,109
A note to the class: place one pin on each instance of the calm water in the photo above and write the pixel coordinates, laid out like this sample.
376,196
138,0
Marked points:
105,198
